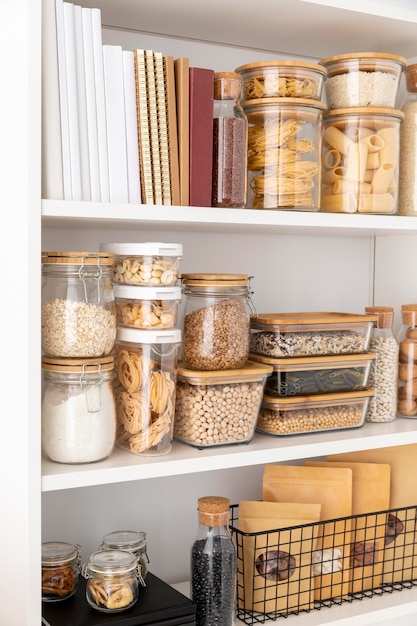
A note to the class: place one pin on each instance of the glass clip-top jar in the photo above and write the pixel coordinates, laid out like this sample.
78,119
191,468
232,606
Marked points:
112,580
60,570
78,409
130,540
216,323
78,305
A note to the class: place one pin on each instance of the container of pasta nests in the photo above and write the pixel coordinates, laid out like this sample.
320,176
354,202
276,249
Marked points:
360,160
284,153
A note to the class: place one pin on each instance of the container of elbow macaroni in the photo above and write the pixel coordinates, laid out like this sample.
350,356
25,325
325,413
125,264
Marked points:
360,160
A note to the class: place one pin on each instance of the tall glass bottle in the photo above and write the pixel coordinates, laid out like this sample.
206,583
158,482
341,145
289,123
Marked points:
383,376
230,129
213,564
407,191
407,368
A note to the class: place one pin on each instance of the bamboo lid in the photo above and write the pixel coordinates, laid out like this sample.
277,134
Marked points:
78,258
215,280
70,366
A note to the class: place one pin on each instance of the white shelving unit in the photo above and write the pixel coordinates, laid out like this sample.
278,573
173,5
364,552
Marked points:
299,261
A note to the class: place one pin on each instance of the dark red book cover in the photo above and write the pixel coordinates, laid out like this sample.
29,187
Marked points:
201,136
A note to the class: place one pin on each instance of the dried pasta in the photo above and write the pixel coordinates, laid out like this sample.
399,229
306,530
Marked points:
272,85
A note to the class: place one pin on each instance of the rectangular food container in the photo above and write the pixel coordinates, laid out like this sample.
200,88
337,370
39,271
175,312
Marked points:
283,335
215,408
306,414
312,375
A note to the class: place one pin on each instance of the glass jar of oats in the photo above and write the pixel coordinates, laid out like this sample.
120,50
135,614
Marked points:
78,305
407,192
216,323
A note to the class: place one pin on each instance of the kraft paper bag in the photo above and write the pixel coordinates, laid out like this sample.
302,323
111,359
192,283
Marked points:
332,488
370,498
276,565
400,555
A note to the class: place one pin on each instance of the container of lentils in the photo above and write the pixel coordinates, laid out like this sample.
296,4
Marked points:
216,323
78,307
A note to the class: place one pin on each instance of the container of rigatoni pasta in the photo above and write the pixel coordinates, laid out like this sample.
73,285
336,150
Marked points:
360,160
284,153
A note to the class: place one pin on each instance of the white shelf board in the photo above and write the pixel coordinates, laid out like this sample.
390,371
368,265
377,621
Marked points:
123,466
299,27
65,214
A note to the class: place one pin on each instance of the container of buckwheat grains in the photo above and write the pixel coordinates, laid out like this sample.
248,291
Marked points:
216,322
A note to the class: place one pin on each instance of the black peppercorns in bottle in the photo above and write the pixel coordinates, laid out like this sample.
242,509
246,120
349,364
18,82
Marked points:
213,564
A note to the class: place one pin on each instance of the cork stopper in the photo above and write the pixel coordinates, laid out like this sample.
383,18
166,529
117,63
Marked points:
213,510
409,313
385,315
411,77
227,85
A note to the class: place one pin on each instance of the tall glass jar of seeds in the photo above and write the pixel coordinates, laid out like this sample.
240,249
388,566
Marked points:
407,367
216,324
383,376
407,192
230,131
78,306
213,564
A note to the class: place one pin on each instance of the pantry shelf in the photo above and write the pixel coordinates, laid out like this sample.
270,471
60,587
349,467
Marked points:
123,466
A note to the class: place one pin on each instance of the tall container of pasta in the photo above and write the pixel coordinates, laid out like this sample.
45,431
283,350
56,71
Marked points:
282,102
361,134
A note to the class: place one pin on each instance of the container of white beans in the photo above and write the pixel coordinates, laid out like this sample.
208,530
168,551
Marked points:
216,408
360,160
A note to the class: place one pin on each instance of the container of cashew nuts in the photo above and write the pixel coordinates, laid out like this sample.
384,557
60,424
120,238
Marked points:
216,408
149,263
112,580
216,321
151,307
144,386
307,414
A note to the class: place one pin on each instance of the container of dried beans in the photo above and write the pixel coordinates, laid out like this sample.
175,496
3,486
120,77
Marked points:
216,322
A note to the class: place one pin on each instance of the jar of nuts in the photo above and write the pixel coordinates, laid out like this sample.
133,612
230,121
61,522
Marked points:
112,580
60,570
78,307
407,369
216,324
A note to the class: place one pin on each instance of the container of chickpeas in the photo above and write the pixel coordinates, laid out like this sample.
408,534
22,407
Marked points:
360,160
307,414
284,153
216,408
151,263
147,307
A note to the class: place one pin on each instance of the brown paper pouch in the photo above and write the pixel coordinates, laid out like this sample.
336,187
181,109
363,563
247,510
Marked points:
400,555
274,572
332,488
370,494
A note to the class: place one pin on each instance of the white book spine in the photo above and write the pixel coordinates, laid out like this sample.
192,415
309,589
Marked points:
74,130
131,127
63,99
116,123
91,110
101,105
82,104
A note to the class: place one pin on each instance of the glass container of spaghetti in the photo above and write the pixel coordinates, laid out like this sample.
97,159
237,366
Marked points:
145,383
284,153
360,160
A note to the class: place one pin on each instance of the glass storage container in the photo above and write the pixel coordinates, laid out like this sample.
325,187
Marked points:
407,192
213,564
146,371
147,307
216,324
78,309
361,151
384,370
147,263
407,368
60,570
284,153
130,540
230,135
365,79
78,409
218,407
112,580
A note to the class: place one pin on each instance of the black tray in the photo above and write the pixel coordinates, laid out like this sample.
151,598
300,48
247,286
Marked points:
159,604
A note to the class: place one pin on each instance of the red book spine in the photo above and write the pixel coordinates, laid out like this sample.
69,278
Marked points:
201,136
